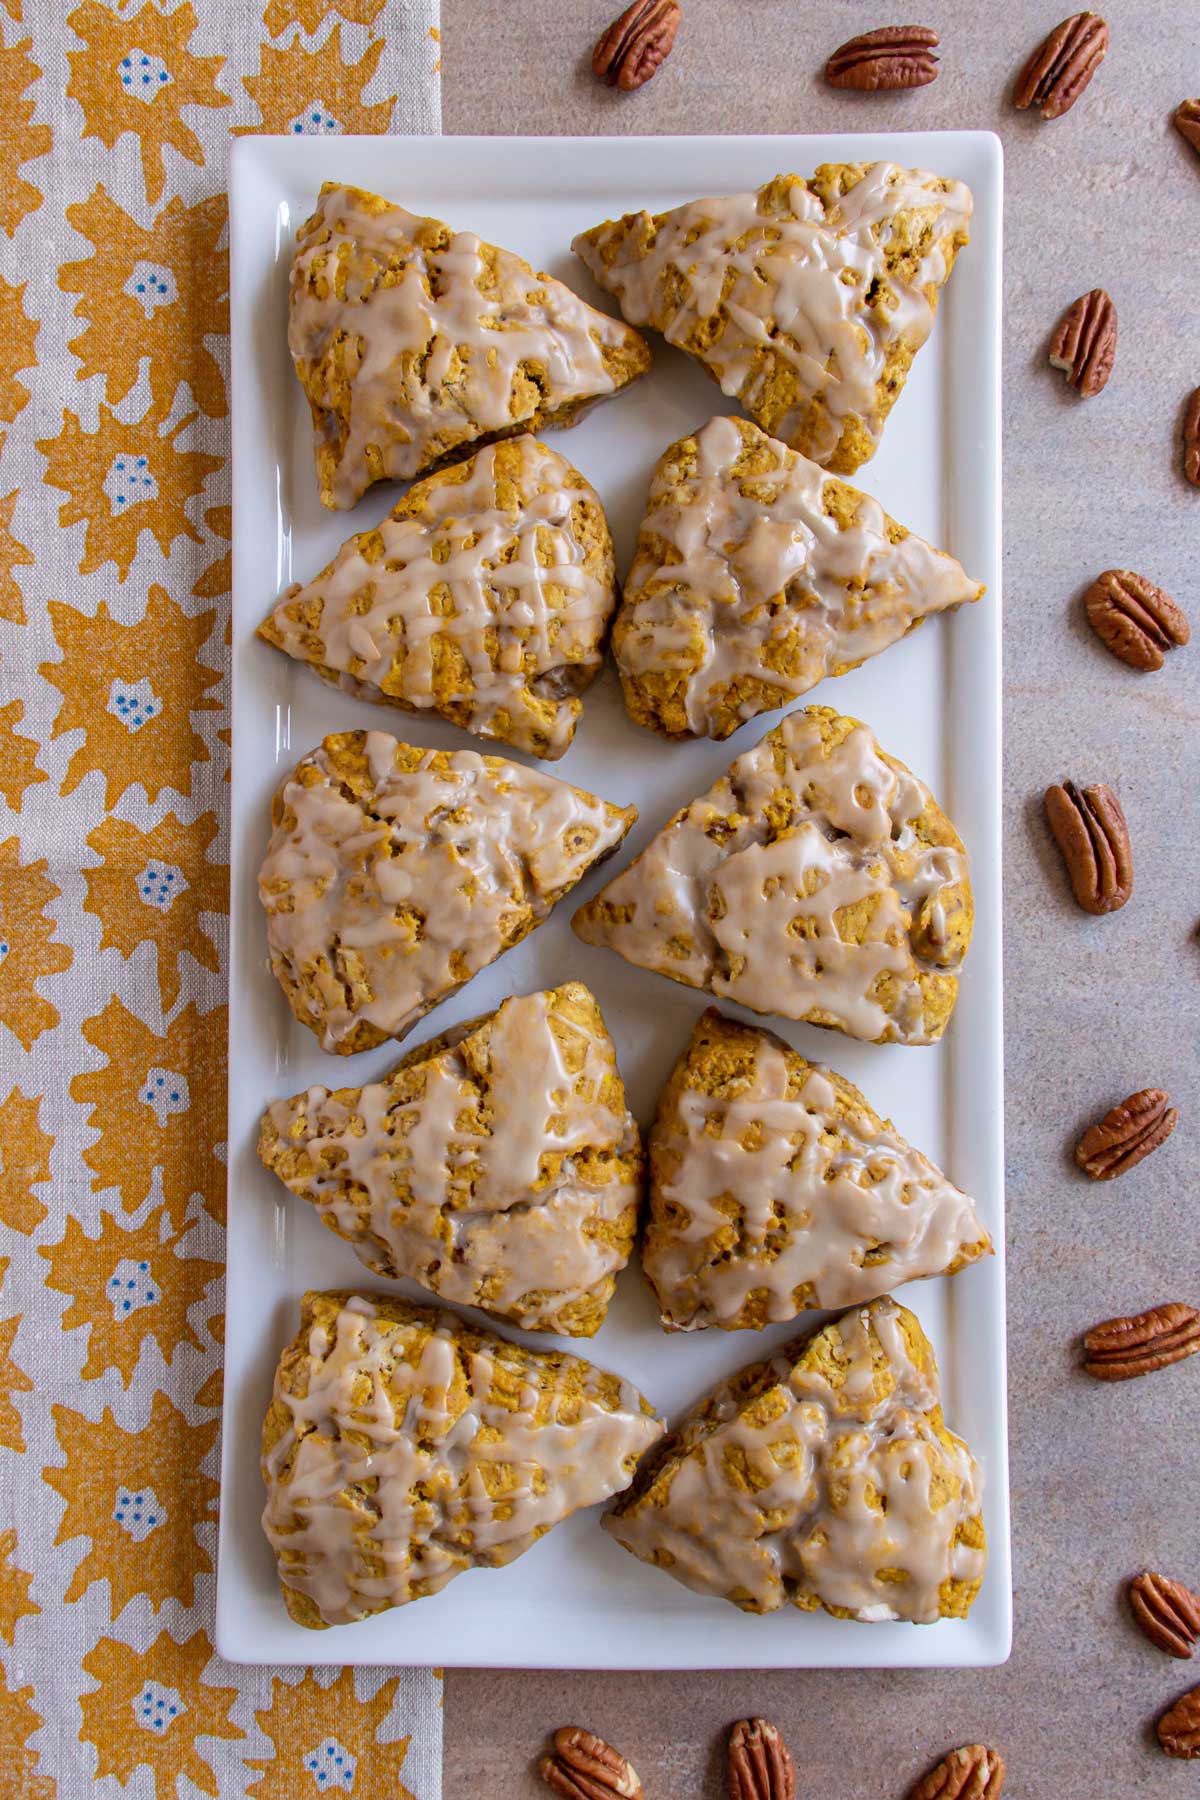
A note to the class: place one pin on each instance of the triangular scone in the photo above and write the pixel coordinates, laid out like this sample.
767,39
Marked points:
774,1189
806,301
394,874
755,575
822,1477
413,342
498,1166
818,879
404,1445
483,596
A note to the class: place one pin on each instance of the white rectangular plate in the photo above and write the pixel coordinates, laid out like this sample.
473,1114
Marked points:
577,1600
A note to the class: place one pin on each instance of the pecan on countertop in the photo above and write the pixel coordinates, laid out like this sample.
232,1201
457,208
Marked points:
972,1773
895,56
1062,65
1084,345
1187,122
1133,619
1119,1349
637,44
583,1767
1126,1134
1179,1727
1167,1612
1191,438
759,1764
1090,831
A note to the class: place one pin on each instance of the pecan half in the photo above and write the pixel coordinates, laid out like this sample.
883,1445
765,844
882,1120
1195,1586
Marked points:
1191,438
1167,1612
1062,65
760,1767
637,44
1119,1349
1084,344
895,56
972,1773
584,1767
1134,619
1126,1134
1187,122
1179,1727
1090,830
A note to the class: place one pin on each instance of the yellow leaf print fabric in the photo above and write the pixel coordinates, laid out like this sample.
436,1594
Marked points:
115,528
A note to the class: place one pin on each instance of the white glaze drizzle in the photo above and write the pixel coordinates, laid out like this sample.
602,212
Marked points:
717,902
435,350
378,1492
797,287
410,892
804,1523
448,1186
815,1191
525,614
755,558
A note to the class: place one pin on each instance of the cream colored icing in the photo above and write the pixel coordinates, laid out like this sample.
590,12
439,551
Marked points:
753,559
449,1187
525,614
717,904
839,1490
387,1498
813,1191
388,905
439,347
798,287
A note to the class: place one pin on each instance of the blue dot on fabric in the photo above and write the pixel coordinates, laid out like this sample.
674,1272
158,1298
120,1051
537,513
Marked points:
144,1265
150,1294
126,1305
124,62
145,62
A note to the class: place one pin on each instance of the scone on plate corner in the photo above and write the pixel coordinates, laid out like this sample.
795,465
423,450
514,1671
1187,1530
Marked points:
483,596
404,1445
497,1165
806,301
756,575
775,1189
824,1476
414,342
394,874
818,879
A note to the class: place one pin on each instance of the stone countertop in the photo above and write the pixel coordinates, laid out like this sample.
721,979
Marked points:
1103,1478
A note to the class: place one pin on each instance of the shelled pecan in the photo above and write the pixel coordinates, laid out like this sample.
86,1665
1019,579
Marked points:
1084,345
1121,1348
1062,65
1187,122
895,56
1191,438
760,1766
1167,1612
584,1767
1090,831
1126,1134
1134,619
637,44
972,1773
1179,1727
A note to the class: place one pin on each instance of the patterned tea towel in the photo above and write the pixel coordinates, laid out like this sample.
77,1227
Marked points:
114,757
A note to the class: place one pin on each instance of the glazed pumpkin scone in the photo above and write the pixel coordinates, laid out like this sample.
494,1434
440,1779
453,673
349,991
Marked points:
394,874
403,1445
818,879
824,1476
413,342
806,301
483,596
755,575
774,1188
499,1165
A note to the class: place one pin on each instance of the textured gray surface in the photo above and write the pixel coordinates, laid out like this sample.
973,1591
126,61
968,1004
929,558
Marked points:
1103,1479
